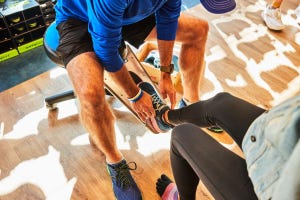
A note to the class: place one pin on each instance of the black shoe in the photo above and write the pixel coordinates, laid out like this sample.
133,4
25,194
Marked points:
124,186
181,104
215,129
159,106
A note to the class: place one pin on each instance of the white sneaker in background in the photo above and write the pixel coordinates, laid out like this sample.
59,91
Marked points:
297,13
272,18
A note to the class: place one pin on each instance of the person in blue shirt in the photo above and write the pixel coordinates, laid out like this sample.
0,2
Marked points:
92,39
269,139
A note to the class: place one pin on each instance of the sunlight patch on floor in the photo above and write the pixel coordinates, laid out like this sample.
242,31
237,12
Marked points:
297,38
56,72
45,172
66,109
80,140
238,82
29,121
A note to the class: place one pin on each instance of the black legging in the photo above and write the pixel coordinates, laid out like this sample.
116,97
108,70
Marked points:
196,155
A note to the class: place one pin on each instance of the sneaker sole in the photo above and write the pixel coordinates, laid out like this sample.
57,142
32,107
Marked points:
270,26
151,126
155,125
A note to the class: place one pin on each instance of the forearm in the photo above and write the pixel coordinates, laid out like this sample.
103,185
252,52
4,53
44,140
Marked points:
166,87
123,79
141,102
165,49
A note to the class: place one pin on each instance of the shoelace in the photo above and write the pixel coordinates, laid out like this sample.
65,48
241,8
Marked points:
158,105
122,177
276,13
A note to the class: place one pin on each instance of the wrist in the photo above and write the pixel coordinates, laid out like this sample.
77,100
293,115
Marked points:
167,69
137,97
165,75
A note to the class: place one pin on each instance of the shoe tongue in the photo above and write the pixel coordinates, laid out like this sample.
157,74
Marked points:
135,77
117,165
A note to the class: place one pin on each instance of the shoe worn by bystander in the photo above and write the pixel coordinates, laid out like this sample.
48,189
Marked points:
124,186
272,18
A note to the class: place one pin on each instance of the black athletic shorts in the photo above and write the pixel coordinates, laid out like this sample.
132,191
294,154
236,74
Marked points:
75,38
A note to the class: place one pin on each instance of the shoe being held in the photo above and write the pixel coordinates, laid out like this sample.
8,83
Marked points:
159,106
272,18
124,186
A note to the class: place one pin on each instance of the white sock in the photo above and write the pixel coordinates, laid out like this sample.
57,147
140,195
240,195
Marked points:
186,101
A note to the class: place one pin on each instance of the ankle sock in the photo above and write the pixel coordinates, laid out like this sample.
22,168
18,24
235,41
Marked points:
186,101
165,119
166,189
116,163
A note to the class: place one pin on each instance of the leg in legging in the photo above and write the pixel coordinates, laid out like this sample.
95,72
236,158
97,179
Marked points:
196,155
232,114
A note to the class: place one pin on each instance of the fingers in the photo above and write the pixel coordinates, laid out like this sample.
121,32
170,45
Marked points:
142,116
164,95
148,112
172,97
144,110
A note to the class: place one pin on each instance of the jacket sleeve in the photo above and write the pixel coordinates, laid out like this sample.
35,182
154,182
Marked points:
167,20
105,25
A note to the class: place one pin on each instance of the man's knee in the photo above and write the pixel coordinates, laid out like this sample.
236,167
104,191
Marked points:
93,102
192,29
201,30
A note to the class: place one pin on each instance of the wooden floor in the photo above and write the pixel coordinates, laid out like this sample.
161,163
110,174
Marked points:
46,155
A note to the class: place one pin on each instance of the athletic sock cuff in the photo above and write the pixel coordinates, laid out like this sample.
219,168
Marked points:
170,193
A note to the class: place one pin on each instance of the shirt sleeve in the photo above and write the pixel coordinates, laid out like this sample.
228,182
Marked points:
167,20
105,26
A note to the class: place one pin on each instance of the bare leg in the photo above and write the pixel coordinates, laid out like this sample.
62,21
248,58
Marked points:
192,34
86,75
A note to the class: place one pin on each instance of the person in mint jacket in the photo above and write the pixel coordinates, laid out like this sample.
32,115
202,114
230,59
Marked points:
92,39
269,140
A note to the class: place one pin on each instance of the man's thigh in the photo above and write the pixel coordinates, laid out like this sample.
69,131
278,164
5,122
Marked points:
74,39
136,33
83,66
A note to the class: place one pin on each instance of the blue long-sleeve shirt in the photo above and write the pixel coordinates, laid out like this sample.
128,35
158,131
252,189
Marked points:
105,19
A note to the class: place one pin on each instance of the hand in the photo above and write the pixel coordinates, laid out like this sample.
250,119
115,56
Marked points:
167,89
143,107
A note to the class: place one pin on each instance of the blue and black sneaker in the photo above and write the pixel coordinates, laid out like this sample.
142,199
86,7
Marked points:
159,106
214,129
181,104
123,184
